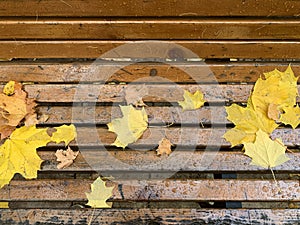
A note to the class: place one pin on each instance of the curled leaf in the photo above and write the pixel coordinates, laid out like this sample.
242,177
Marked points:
65,157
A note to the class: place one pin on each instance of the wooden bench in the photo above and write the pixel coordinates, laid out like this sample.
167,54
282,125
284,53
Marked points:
51,47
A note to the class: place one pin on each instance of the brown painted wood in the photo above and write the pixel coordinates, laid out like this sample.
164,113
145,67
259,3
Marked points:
147,216
176,72
204,49
161,29
156,93
98,8
148,161
196,190
91,136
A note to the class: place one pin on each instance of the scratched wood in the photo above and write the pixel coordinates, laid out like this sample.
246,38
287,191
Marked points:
180,160
145,190
188,72
159,29
219,49
188,8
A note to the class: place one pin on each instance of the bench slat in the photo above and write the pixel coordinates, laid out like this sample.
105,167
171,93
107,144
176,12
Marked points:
149,29
147,216
99,8
204,49
145,190
148,161
176,72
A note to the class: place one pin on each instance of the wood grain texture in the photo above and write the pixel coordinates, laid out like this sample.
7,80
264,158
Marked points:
188,72
99,8
147,161
203,49
171,93
145,190
151,216
159,29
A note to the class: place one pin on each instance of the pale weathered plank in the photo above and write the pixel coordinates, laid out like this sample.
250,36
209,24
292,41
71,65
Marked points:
147,161
188,72
100,8
203,49
151,216
157,29
171,93
187,189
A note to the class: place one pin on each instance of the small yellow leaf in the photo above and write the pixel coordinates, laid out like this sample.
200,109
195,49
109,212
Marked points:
164,147
4,205
192,101
9,88
266,152
291,116
99,194
65,157
130,127
65,134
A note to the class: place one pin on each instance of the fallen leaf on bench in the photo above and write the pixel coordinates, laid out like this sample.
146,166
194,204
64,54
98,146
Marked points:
65,157
4,205
130,127
99,194
9,88
164,147
134,94
192,101
266,152
291,116
64,133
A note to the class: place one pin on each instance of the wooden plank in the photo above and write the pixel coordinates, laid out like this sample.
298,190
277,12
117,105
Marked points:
151,215
157,115
92,136
204,49
176,72
148,161
149,190
162,29
171,93
99,8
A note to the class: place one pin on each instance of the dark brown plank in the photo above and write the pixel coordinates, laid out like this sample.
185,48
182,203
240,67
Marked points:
148,161
204,49
156,93
100,8
176,72
199,190
198,29
147,216
91,136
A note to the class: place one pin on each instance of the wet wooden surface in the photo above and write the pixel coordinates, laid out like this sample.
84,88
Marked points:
188,8
186,72
147,216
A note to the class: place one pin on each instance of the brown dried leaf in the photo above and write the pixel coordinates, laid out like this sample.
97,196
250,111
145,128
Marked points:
273,112
164,147
65,157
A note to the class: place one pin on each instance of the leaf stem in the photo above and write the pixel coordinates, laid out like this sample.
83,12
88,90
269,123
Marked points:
276,182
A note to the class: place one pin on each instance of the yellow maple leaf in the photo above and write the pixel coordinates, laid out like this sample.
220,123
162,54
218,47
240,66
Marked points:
99,194
247,121
291,116
64,133
164,147
9,88
266,152
192,101
130,127
18,153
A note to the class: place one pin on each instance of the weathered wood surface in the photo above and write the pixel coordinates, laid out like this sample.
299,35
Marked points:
147,190
188,72
171,93
191,8
179,160
94,136
204,49
158,29
151,216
